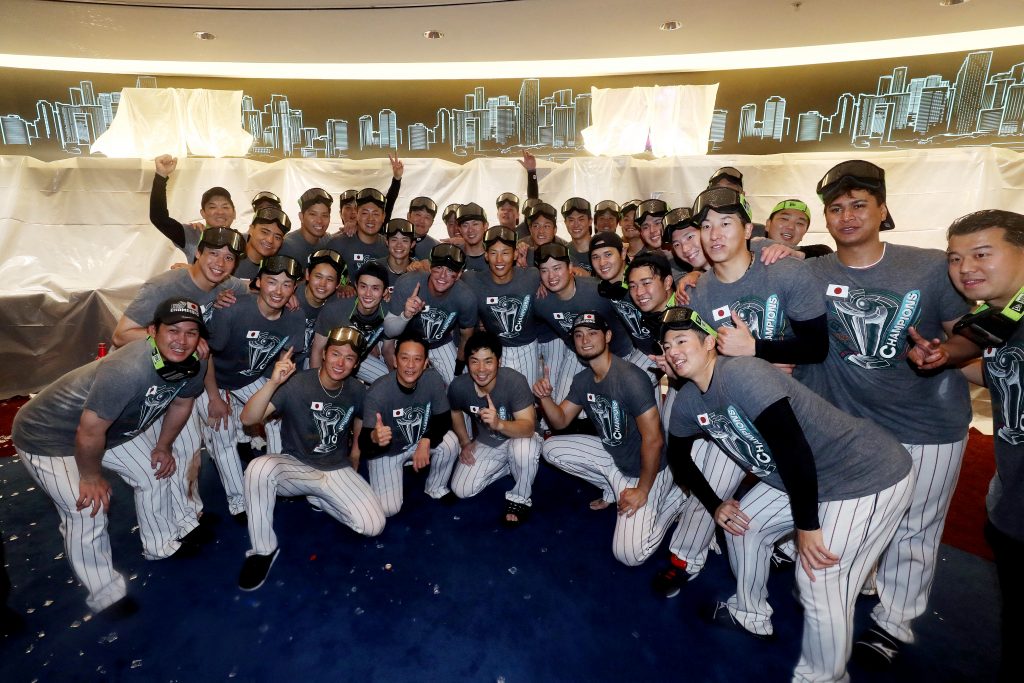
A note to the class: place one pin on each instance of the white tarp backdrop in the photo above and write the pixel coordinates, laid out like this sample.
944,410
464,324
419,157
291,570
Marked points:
77,242
176,121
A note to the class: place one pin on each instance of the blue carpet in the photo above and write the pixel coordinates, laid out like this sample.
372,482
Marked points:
444,594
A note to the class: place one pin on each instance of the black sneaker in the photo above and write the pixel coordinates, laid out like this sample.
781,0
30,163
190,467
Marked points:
255,569
720,616
875,650
670,581
449,499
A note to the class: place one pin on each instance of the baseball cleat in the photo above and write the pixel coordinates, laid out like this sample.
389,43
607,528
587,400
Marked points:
875,650
255,569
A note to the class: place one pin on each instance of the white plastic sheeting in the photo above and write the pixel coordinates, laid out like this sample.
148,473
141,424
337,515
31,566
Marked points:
176,121
76,239
676,120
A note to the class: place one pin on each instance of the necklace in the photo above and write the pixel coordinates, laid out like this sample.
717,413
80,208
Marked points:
335,394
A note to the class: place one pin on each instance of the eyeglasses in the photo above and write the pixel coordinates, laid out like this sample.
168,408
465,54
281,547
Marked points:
554,250
448,255
609,207
315,195
370,195
575,204
265,197
348,196
721,200
507,198
856,172
538,210
399,226
346,335
651,207
500,233
269,214
223,237
423,204
682,318
727,172
273,265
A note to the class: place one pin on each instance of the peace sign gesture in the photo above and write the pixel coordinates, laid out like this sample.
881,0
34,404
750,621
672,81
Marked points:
397,167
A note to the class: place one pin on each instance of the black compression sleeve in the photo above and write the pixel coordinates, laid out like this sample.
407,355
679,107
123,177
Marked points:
159,216
686,473
391,198
807,344
532,188
366,446
784,436
440,424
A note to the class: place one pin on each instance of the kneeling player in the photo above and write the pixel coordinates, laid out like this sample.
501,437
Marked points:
503,418
319,409
823,472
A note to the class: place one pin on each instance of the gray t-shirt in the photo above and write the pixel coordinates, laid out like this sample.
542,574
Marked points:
765,297
178,284
311,313
507,309
510,395
632,319
423,247
192,238
123,387
245,345
613,404
296,246
442,316
355,252
407,413
581,259
339,312
476,264
246,269
853,457
867,372
316,426
559,315
1005,501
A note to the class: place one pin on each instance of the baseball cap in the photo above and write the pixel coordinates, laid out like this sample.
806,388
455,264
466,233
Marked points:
399,226
855,174
330,257
609,207
470,212
340,336
794,204
265,198
726,172
591,319
374,270
176,310
223,237
315,195
605,239
270,214
722,200
450,210
650,207
683,318
216,192
423,204
541,209
449,256
370,195
575,204
507,198
554,250
500,233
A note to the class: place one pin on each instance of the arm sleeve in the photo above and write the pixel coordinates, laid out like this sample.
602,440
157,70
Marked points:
391,198
394,325
792,453
808,343
532,187
159,216
686,473
366,446
440,424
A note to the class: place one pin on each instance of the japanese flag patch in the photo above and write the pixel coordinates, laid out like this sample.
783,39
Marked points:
721,313
357,257
591,398
838,291
989,353
398,412
252,334
316,405
492,300
474,409
703,420
559,316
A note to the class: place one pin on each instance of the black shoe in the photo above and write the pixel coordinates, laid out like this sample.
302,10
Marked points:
241,518
255,569
875,650
449,499
670,581
720,616
520,511
122,609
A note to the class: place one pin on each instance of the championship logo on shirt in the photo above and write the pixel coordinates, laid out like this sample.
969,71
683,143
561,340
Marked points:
208,313
310,329
263,347
632,318
509,312
764,317
436,323
331,421
869,326
158,397
1003,379
411,423
735,435
609,418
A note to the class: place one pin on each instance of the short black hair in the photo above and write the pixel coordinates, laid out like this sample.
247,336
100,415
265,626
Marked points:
656,262
482,339
845,185
411,336
1011,222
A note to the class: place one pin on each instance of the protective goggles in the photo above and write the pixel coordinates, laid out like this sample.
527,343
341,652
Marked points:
331,257
399,226
500,233
470,212
264,198
794,204
269,214
631,205
346,335
370,195
609,207
507,198
554,250
651,207
683,318
575,204
727,172
223,237
449,256
315,195
856,173
423,204
536,211
348,196
274,265
449,211
720,200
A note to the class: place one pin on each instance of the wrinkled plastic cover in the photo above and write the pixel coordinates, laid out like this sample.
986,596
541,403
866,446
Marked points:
76,241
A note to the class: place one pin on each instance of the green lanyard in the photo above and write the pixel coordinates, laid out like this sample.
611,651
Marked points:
1013,310
155,355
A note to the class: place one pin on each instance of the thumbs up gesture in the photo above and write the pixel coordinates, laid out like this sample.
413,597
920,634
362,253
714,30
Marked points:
489,415
381,434
736,341
414,304
542,388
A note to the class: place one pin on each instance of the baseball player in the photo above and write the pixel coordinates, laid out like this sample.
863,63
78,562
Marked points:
541,220
499,403
627,460
628,226
579,223
325,270
439,307
264,239
400,237
264,199
367,244
650,222
407,417
216,209
314,219
788,223
450,224
244,339
347,210
986,263
365,314
730,177
100,415
842,483
884,303
505,297
320,409
472,223
422,212
606,216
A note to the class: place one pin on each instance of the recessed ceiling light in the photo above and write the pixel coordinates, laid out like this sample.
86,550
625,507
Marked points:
203,35
433,35
671,25
950,3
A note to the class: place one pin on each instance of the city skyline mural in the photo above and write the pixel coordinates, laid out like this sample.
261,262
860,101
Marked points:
974,98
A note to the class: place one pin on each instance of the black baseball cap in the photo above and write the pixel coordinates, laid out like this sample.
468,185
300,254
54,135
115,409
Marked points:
216,192
726,172
683,318
605,239
265,198
448,255
270,214
541,209
575,204
470,212
347,197
507,198
176,310
315,195
423,204
609,207
216,238
450,210
500,233
855,174
591,319
370,195
330,257
551,250
273,265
